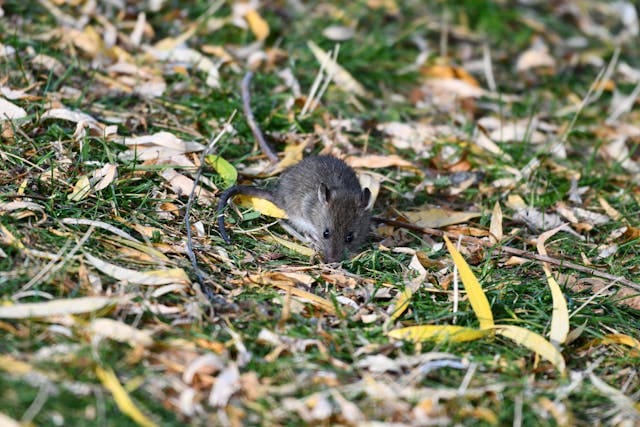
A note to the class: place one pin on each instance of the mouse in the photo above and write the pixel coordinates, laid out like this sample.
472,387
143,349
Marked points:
324,202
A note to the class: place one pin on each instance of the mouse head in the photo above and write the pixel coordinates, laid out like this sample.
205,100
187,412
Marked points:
342,221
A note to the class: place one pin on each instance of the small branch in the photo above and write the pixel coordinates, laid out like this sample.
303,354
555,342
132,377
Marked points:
512,251
187,214
251,121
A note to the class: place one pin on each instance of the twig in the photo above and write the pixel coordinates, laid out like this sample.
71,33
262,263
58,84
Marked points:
251,121
187,221
512,251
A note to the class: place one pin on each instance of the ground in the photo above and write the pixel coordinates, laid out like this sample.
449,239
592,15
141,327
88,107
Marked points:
507,130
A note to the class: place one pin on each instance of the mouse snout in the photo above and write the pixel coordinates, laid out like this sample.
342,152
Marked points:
332,254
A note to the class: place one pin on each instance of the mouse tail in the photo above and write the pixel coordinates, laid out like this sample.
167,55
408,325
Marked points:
246,190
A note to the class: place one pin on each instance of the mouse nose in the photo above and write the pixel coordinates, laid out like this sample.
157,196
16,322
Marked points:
332,255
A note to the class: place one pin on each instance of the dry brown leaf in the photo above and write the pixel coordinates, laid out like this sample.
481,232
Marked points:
437,217
373,161
182,186
149,278
119,331
259,27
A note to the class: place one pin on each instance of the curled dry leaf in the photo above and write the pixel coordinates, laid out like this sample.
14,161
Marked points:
536,57
182,186
149,278
208,363
22,209
121,332
227,383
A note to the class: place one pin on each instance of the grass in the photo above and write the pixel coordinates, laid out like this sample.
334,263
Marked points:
314,361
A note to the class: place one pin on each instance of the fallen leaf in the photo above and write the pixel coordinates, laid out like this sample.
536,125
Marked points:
373,161
55,307
226,170
119,331
259,27
263,206
477,297
533,342
495,228
149,278
437,217
560,314
121,397
438,333
10,111
81,189
301,249
338,74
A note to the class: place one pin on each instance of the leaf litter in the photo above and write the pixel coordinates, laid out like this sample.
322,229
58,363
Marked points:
483,149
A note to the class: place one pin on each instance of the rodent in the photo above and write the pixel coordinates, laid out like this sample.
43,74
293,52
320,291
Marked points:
324,202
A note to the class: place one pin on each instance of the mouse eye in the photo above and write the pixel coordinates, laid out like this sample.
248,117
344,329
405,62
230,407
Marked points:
349,237
326,233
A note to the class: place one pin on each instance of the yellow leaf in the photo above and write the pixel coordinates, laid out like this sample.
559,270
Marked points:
7,238
292,155
439,333
401,304
122,398
533,342
263,206
560,315
81,189
301,249
15,366
284,283
477,298
621,339
258,25
436,217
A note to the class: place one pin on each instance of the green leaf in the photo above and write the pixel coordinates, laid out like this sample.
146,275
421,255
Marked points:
226,170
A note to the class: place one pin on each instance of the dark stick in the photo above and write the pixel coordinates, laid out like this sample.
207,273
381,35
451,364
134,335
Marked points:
196,179
251,121
511,251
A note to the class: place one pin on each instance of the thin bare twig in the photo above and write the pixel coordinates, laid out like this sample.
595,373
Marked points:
512,251
187,214
251,121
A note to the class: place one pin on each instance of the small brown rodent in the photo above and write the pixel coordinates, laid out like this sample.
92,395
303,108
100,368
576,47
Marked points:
324,202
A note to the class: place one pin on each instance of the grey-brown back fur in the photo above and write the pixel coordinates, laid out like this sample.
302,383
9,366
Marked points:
323,200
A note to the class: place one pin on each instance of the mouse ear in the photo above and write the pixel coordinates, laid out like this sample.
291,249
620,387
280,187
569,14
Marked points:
324,194
365,197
